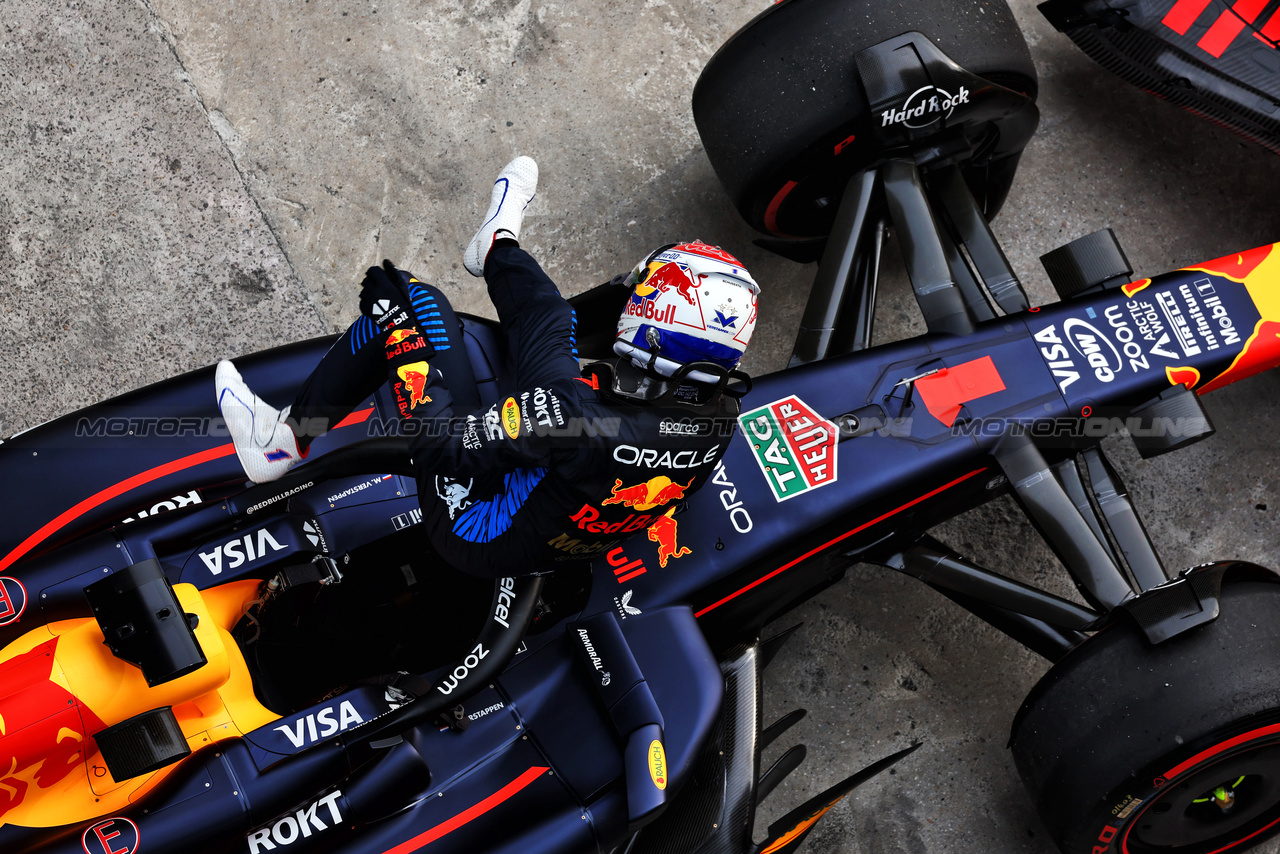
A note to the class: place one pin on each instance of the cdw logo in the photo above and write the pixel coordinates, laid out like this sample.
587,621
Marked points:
1224,29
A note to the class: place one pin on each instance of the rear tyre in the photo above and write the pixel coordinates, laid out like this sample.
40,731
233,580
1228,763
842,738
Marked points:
782,95
1175,748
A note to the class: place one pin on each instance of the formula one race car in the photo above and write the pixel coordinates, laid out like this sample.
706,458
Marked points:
1217,59
188,664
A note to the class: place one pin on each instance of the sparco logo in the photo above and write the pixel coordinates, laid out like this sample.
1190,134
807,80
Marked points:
678,428
299,824
926,105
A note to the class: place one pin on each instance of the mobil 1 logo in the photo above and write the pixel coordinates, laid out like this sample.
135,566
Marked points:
794,446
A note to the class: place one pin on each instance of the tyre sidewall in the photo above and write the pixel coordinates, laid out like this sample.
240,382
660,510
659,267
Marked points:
1096,737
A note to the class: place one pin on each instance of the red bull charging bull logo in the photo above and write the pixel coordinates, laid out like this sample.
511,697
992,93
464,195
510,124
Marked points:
39,749
663,532
667,278
414,379
648,495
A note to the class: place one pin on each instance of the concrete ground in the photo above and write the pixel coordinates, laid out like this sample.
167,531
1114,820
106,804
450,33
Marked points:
184,181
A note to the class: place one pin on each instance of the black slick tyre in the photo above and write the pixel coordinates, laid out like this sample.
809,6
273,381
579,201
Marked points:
780,101
1175,748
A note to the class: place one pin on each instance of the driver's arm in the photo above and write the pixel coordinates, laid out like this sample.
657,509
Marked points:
528,428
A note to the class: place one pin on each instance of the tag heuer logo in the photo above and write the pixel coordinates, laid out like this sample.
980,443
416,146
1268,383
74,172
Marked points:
795,447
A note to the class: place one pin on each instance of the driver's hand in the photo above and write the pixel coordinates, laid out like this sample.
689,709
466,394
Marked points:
384,300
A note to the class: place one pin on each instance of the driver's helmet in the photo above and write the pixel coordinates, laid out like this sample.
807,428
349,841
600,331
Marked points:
690,303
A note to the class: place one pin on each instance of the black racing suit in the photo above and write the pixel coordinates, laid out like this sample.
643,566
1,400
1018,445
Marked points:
559,468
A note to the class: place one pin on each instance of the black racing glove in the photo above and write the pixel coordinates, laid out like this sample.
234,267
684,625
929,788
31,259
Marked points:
384,299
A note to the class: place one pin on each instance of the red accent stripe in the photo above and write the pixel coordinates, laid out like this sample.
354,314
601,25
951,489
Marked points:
913,502
1229,25
424,839
77,510
771,212
358,417
111,492
1274,729
1218,748
624,579
1270,33
1183,15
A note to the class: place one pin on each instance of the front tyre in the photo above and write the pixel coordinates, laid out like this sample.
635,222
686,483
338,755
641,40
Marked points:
1175,748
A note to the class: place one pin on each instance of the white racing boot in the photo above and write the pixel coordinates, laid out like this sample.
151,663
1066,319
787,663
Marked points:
512,193
265,444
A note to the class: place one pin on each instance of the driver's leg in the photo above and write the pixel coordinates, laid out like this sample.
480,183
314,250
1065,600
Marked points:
270,441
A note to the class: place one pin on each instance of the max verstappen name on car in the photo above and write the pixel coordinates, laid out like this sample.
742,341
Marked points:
333,499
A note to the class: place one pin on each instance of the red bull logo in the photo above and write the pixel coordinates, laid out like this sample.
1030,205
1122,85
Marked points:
403,341
414,377
38,749
645,496
667,277
663,532
1187,376
1259,271
398,335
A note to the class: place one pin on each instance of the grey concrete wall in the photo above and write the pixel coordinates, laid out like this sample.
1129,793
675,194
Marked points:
184,181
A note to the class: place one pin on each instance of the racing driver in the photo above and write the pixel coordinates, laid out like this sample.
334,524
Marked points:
571,461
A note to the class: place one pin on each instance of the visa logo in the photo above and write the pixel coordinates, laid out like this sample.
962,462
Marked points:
247,549
309,729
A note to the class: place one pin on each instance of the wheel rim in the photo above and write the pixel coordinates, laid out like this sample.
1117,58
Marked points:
1212,806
